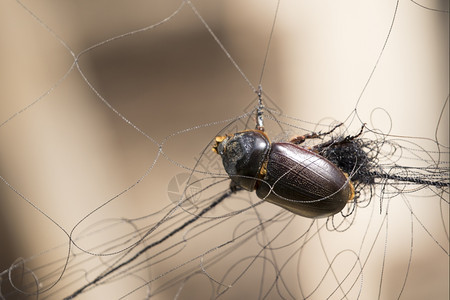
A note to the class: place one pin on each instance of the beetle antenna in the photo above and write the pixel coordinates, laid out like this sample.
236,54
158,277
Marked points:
260,110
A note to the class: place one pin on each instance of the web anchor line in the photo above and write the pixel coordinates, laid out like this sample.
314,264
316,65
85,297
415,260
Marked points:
383,175
260,110
225,195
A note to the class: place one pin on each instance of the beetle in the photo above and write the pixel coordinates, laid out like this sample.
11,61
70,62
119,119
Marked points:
285,174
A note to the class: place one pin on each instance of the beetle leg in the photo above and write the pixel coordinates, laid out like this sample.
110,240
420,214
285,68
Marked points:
352,137
333,143
300,139
234,187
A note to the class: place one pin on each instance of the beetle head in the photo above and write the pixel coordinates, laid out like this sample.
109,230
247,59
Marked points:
243,155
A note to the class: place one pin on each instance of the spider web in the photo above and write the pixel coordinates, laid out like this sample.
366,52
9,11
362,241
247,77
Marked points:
107,118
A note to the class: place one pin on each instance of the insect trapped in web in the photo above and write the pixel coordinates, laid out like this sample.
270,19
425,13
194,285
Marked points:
312,182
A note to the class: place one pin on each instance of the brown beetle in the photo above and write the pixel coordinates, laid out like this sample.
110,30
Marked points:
285,174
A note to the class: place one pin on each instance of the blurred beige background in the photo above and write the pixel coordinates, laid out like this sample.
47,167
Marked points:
68,153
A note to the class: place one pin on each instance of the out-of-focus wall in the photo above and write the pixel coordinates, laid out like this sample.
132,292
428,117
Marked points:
48,157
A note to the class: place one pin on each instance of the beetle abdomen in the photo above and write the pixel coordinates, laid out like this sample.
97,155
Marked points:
304,182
